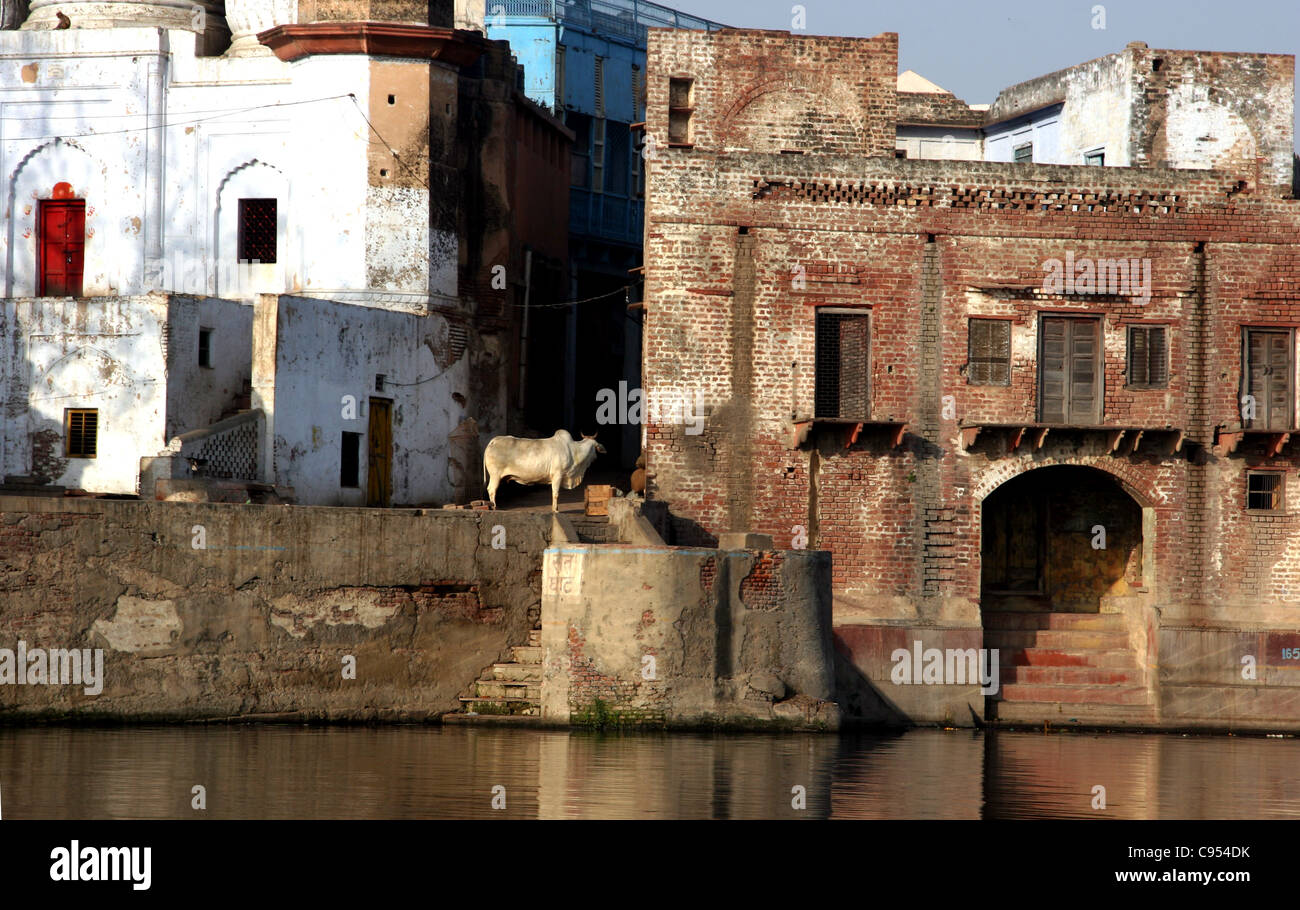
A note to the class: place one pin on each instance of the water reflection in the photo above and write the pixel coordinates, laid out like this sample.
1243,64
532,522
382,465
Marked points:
431,772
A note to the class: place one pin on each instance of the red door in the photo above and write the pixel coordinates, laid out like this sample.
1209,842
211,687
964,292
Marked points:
62,238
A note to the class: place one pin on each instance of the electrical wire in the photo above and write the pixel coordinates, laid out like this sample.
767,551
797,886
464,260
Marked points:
187,113
169,125
567,303
393,151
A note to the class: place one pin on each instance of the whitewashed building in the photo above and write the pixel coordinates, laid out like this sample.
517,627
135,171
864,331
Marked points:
165,169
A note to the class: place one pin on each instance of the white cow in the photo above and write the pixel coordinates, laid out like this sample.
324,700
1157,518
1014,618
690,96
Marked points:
558,460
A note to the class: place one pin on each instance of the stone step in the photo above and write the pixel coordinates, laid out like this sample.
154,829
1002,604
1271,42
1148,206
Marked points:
1098,622
1067,639
534,638
1036,714
520,672
1066,657
595,529
479,705
515,720
1075,695
509,689
28,489
526,654
607,536
1071,676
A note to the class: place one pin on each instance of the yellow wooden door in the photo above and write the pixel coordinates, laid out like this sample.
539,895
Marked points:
379,473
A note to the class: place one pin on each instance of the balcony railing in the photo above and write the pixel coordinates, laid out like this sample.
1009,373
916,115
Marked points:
629,18
605,216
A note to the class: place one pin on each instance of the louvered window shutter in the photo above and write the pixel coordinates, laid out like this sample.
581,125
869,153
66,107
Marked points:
989,352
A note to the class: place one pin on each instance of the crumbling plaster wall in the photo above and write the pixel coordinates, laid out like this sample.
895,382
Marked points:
1166,108
667,635
197,396
133,359
310,355
258,620
108,354
164,215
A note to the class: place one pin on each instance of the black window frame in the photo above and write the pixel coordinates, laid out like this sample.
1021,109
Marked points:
829,364
1135,378
1277,492
986,322
253,232
74,437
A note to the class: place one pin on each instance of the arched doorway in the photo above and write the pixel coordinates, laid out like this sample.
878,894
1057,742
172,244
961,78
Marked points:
1062,597
1059,539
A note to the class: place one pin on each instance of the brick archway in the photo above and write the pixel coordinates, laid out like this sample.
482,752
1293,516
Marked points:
1062,536
1130,477
1066,600
831,95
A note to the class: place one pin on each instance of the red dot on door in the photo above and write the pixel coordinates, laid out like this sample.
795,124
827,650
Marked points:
62,191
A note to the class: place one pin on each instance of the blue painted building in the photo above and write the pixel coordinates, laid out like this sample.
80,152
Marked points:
585,60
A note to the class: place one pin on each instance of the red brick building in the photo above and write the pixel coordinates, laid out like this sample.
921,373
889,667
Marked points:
1044,408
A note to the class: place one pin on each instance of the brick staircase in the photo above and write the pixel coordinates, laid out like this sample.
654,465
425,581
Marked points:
1061,668
594,529
513,688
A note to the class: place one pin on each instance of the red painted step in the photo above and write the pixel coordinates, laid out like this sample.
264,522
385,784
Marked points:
1057,657
1071,676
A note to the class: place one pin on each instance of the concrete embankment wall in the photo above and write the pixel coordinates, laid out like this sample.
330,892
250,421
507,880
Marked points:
1212,679
683,636
1239,679
258,620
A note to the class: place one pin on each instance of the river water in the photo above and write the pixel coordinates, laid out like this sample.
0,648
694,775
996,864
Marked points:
455,772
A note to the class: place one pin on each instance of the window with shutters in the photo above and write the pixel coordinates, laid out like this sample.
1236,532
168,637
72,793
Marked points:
1148,356
618,139
638,93
580,174
638,149
1264,491
989,352
680,108
559,78
598,155
1023,152
257,230
81,432
1268,386
842,364
1069,371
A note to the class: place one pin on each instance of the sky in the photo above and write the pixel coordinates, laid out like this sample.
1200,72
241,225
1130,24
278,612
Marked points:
973,49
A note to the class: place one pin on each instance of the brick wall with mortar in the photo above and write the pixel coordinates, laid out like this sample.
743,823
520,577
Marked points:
904,525
257,622
937,109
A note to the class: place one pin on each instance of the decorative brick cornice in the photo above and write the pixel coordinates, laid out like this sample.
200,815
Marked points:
377,39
